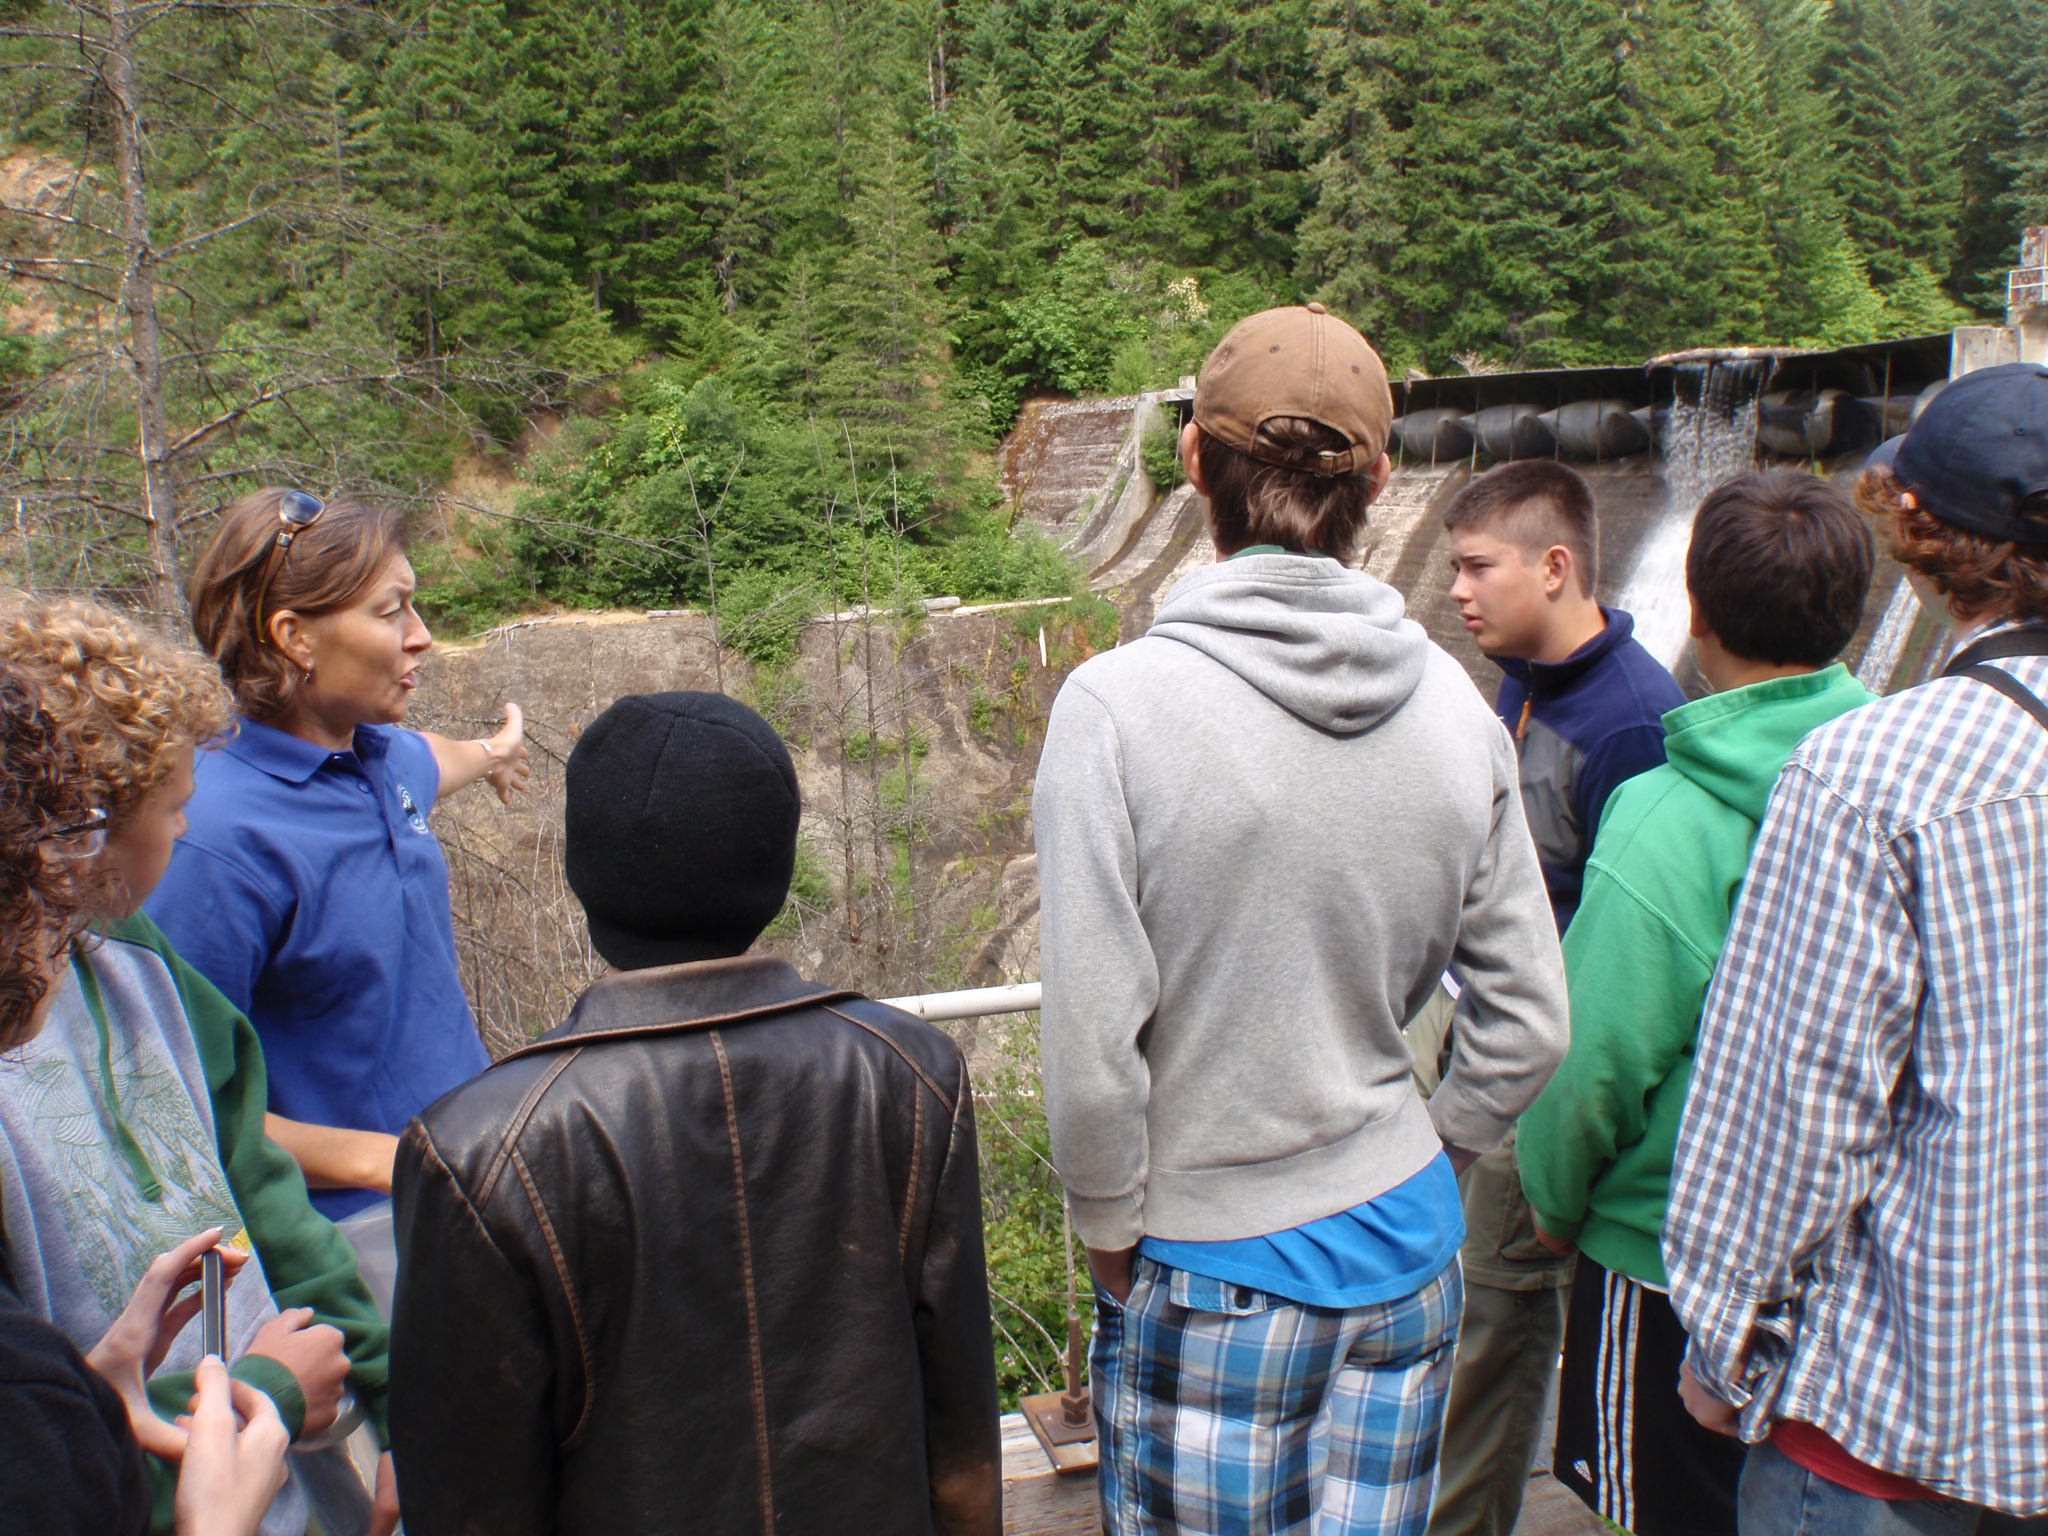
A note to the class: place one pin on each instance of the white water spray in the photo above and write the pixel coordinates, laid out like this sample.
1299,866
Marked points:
1881,656
1709,438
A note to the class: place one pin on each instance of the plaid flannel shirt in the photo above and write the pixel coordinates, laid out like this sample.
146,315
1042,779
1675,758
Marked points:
1857,1234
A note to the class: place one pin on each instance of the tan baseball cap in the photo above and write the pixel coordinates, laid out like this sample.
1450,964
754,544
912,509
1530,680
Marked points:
1300,361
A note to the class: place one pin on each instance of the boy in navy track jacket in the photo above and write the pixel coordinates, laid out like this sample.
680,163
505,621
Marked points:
1585,703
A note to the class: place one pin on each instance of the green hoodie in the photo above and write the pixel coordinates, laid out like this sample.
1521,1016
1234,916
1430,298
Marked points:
305,1257
1660,889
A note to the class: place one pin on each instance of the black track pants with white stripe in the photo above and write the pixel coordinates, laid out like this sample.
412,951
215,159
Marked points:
1625,1444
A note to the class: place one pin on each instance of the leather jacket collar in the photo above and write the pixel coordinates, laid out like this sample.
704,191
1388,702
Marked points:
698,995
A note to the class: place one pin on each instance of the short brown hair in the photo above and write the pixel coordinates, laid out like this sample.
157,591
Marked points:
1533,504
1256,502
127,699
327,567
1981,577
41,899
1780,566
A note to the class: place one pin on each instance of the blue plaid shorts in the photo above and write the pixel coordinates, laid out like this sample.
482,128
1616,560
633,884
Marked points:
1225,1411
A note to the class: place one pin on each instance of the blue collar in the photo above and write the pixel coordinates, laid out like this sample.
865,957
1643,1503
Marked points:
290,758
1555,676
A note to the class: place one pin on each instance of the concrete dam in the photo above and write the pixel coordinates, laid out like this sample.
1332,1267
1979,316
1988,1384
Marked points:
1652,441
954,709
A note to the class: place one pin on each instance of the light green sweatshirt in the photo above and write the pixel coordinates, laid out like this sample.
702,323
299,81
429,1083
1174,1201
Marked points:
1667,864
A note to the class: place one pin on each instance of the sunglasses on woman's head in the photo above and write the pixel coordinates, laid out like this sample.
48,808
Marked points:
296,512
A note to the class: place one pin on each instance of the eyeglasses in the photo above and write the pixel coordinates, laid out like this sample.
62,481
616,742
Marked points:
80,840
296,512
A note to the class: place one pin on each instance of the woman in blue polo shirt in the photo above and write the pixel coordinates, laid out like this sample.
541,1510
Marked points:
310,888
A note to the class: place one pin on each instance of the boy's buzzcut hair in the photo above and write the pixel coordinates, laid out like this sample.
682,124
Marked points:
1533,504
1780,566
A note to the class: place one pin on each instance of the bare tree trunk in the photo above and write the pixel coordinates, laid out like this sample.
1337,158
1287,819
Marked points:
138,293
906,734
851,887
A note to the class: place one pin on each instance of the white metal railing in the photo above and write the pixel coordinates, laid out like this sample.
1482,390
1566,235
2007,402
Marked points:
975,1003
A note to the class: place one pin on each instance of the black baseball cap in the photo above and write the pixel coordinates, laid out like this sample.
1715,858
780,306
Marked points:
1979,450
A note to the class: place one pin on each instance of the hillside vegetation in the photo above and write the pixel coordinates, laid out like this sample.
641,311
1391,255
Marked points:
792,266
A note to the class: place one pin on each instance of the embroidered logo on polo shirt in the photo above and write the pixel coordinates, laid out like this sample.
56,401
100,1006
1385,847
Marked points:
411,808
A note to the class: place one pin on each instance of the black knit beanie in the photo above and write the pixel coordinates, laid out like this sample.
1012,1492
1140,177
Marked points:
681,828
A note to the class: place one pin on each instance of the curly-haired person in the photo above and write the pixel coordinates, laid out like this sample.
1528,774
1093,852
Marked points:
135,1116
59,1407
48,827
1867,1304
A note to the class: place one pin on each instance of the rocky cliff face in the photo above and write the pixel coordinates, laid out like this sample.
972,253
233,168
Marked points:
915,748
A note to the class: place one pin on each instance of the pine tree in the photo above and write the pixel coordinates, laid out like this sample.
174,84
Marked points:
1818,289
1693,267
1549,204
2001,47
748,77
1353,152
996,243
1049,56
2023,158
1206,162
883,311
1897,152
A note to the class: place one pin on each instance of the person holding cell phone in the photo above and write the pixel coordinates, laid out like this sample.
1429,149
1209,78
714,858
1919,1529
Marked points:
133,1115
90,1415
310,888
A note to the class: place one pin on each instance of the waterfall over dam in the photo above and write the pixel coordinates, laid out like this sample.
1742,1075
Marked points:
1652,442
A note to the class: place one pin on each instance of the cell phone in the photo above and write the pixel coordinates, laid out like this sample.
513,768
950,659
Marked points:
213,1304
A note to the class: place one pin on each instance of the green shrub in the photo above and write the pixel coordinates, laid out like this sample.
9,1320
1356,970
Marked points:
862,747
1159,451
1022,1203
810,893
761,615
981,714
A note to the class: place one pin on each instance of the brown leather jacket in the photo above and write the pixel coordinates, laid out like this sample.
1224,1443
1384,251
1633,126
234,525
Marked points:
707,1257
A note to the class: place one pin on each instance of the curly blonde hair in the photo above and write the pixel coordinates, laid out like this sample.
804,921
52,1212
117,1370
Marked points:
128,700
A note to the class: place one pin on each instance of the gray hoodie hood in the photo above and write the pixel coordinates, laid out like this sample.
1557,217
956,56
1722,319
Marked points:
1330,645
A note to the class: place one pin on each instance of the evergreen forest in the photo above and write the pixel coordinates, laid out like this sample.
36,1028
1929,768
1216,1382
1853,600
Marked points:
737,296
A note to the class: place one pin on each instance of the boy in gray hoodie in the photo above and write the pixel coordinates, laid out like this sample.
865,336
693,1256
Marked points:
1264,830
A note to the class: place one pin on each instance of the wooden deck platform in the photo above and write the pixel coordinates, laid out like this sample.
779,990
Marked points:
1036,1500
1039,1502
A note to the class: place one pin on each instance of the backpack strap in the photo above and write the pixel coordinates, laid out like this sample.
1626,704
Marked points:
1974,661
2023,640
2011,687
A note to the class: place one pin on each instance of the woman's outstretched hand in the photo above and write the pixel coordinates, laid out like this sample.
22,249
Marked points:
501,760
134,1346
510,763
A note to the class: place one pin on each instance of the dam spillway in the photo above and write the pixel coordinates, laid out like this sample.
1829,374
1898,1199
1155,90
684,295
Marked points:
1650,441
